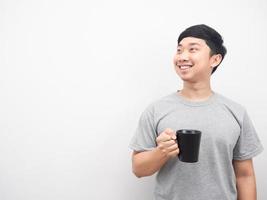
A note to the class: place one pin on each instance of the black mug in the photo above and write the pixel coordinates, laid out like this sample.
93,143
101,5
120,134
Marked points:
189,144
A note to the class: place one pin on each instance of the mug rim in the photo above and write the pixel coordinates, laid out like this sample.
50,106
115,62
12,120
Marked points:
188,131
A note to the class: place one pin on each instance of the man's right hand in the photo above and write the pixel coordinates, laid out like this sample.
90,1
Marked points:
146,163
166,143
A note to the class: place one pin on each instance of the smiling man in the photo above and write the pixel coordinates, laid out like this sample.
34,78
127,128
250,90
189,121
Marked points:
229,140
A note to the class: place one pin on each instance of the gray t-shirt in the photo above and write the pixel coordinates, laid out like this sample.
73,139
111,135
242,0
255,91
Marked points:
227,134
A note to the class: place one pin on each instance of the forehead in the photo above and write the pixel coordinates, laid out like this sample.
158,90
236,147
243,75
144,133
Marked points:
192,41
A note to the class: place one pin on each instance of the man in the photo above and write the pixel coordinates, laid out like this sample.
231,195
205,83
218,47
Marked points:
228,142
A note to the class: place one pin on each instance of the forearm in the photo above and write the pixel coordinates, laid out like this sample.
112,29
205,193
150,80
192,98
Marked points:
246,188
148,162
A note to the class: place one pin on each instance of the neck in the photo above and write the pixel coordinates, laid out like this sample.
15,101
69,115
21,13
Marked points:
196,91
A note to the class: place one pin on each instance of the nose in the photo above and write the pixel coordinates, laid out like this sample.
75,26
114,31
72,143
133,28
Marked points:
183,56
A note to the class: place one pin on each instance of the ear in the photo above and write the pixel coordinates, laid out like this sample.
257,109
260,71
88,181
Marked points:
215,60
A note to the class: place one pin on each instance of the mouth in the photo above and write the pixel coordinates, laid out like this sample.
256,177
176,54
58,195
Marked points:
184,67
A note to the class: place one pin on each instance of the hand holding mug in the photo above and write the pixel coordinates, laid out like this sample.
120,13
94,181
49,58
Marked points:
166,143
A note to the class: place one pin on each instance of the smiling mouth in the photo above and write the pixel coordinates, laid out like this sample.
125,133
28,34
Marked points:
183,67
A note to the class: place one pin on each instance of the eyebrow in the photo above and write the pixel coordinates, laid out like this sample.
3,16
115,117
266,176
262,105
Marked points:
190,44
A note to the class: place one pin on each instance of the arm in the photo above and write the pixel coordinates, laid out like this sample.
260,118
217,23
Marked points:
147,163
245,179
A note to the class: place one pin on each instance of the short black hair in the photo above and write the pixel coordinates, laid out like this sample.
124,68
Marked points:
212,38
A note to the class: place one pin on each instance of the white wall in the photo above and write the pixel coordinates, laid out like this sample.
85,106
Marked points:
76,75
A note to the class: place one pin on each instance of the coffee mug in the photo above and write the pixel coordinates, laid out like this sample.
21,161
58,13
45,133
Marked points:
189,143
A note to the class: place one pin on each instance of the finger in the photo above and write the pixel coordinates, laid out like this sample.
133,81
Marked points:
168,143
163,137
174,153
173,147
173,136
171,133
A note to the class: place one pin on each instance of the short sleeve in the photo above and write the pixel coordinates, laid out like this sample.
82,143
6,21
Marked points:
248,144
145,135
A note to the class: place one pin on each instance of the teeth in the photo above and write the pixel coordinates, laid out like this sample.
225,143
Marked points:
184,66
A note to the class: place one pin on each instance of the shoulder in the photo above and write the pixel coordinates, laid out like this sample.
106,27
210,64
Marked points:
231,105
163,103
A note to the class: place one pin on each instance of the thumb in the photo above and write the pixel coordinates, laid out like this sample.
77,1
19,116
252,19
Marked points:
171,133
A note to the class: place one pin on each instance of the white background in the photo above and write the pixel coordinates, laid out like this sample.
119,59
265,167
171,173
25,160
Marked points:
76,75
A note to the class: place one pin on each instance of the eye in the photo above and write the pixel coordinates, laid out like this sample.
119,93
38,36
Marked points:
179,51
193,49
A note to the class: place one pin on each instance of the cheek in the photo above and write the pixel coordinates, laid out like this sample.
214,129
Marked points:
174,60
202,60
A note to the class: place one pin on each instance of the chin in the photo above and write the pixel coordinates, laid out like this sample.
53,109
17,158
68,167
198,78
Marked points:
186,77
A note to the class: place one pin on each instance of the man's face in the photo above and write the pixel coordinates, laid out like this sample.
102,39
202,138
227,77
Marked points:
192,60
